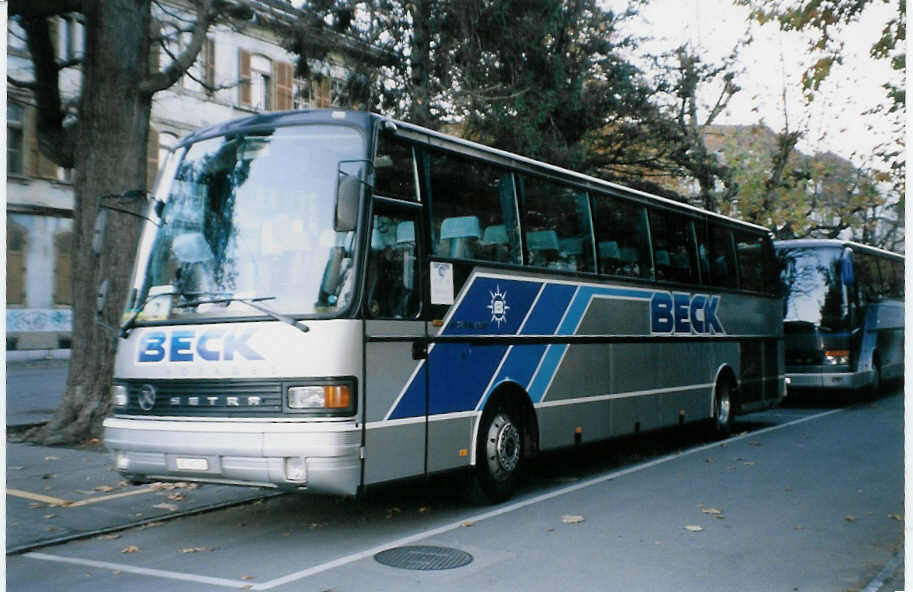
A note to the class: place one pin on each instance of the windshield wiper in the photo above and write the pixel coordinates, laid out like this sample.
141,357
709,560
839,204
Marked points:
253,303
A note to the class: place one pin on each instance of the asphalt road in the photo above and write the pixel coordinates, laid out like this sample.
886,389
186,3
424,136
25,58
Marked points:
34,390
804,498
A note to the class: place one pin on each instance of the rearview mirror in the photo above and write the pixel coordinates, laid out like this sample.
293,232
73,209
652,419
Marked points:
348,190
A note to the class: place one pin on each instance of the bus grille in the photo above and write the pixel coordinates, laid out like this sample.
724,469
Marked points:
205,398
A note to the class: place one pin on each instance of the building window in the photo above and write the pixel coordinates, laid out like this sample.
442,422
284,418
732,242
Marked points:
14,143
16,242
261,71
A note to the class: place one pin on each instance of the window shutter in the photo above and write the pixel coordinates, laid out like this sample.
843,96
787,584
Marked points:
15,264
63,269
152,158
282,72
209,65
244,76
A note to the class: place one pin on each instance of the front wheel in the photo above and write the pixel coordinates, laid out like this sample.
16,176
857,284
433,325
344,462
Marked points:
499,451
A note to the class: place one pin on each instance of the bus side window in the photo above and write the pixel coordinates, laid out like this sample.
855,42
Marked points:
473,210
391,290
722,258
673,247
867,279
750,250
394,169
557,225
621,233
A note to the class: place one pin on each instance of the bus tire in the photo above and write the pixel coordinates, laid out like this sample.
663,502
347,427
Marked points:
499,452
723,408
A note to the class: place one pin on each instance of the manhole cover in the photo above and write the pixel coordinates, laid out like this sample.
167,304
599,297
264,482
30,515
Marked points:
423,557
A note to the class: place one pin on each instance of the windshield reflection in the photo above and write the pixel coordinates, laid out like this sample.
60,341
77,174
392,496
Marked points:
811,286
250,216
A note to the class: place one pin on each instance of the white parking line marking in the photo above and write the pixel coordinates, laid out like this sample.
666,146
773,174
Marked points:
886,572
144,571
353,557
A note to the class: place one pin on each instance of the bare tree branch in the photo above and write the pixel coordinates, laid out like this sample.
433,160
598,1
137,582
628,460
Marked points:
171,74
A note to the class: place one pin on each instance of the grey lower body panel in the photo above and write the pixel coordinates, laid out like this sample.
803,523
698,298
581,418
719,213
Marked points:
240,453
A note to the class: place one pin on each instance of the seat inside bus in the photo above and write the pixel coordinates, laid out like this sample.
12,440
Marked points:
459,237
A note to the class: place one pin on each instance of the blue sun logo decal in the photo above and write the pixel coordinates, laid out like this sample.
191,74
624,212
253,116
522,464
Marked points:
498,306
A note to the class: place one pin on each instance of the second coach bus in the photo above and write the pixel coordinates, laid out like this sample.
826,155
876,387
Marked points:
843,314
327,300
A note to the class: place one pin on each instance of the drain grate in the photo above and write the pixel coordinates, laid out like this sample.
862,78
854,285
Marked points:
423,557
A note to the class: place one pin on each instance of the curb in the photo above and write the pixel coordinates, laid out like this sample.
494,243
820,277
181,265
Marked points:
27,355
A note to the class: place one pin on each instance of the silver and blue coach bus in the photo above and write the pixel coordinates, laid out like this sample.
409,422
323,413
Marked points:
328,300
843,314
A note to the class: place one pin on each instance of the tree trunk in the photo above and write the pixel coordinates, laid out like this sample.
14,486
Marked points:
110,158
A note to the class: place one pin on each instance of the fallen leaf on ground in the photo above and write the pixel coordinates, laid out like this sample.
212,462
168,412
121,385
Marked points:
34,505
897,517
195,550
468,523
16,468
849,518
103,488
176,496
130,549
109,537
694,528
571,519
50,458
49,516
247,577
164,506
713,511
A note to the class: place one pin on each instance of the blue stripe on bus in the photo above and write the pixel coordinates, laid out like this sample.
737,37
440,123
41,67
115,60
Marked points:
543,320
555,352
461,372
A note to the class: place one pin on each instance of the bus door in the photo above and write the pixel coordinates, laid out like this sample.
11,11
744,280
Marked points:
394,410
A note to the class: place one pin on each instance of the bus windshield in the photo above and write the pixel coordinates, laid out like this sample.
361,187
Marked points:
812,287
250,217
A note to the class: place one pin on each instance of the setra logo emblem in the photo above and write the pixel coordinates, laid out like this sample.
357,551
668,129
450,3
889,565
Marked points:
147,397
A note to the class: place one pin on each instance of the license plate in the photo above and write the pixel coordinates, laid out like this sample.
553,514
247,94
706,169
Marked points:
192,464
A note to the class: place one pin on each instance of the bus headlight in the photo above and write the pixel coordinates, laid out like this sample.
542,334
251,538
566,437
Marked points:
119,395
330,397
837,357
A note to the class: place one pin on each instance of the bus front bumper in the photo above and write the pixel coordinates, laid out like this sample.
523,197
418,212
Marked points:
322,457
828,380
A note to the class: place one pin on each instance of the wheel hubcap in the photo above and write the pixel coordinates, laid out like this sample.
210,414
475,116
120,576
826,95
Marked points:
503,446
723,408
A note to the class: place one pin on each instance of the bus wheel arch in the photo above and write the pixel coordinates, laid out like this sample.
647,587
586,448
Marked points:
725,401
506,434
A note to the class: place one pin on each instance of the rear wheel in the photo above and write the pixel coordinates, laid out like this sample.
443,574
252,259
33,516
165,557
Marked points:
499,451
723,411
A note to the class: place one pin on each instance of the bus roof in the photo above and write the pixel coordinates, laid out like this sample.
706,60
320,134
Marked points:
811,243
366,120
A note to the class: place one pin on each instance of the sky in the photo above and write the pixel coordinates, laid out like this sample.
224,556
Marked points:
776,60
